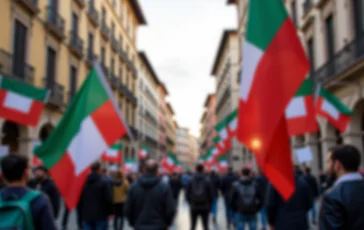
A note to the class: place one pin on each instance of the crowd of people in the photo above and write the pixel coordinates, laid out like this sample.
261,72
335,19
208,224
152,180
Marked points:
149,201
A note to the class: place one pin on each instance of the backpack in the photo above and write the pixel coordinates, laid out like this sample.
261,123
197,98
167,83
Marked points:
247,202
198,192
15,214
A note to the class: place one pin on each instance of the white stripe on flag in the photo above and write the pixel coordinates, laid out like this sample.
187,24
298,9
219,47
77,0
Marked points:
223,134
223,164
233,124
112,152
330,109
296,108
18,102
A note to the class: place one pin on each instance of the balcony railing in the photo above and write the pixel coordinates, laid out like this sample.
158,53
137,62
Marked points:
105,69
307,6
123,89
76,44
55,23
93,15
114,81
105,30
122,54
20,71
90,57
134,131
349,55
114,44
80,3
30,5
56,97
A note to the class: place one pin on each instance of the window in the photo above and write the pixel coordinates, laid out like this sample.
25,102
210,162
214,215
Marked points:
103,15
19,49
74,24
102,55
112,63
121,40
112,29
51,67
90,45
73,81
120,73
359,23
311,55
294,12
329,24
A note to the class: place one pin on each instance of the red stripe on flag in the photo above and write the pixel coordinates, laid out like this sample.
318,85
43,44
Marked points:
341,124
108,122
31,118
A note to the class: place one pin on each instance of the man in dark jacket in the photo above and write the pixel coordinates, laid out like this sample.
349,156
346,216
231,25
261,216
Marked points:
312,182
44,183
176,185
343,205
215,179
291,214
226,186
262,187
199,196
96,200
16,171
150,203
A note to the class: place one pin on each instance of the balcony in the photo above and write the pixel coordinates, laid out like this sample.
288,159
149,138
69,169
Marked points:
56,97
307,6
55,23
223,99
105,31
105,70
150,141
19,71
114,81
350,57
80,3
134,132
170,141
30,5
76,44
123,89
90,58
114,44
93,15
122,54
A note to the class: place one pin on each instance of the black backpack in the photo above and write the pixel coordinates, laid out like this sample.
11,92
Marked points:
248,202
198,192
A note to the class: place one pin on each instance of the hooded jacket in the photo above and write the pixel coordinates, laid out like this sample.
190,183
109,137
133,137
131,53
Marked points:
150,204
200,178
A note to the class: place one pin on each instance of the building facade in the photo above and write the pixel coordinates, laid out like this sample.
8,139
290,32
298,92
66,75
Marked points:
187,147
162,119
51,44
171,129
207,124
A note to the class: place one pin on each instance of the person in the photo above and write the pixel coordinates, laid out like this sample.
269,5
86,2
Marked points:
96,200
165,178
16,171
226,186
176,185
312,182
322,180
291,214
150,203
343,205
262,187
215,179
44,183
2,181
120,191
66,214
246,201
199,196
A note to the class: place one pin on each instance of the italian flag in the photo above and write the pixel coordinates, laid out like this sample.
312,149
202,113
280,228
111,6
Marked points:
129,166
20,102
227,127
274,67
91,123
300,112
35,160
221,146
331,108
113,154
222,164
143,152
170,162
210,158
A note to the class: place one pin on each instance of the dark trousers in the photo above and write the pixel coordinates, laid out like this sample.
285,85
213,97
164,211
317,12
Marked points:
204,216
66,215
119,216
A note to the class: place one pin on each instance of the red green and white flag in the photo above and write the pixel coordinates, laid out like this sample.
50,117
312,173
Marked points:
331,108
143,152
113,154
91,123
129,166
274,67
221,146
35,160
222,164
210,157
232,123
170,162
20,102
300,112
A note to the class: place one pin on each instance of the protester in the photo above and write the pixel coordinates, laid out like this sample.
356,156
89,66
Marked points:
96,200
343,205
44,183
2,181
215,179
312,182
322,180
120,192
262,187
165,178
16,171
150,203
291,214
226,187
200,196
176,185
246,201
66,216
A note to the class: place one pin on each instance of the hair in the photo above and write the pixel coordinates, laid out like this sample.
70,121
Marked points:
151,166
246,171
199,168
348,156
14,166
41,168
95,167
118,175
308,170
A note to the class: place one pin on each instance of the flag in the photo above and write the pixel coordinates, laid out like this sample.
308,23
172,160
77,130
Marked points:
129,166
170,162
35,160
143,153
91,123
274,66
20,102
232,123
209,158
222,164
331,108
300,112
227,127
113,154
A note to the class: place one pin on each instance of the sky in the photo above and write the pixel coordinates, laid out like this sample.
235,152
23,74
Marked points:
181,40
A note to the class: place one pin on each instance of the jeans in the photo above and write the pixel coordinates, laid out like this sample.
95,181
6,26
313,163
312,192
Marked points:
66,215
263,216
97,225
229,213
313,211
119,216
214,207
205,219
241,220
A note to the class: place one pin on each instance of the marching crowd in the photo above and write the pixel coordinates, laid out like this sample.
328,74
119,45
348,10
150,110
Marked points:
149,201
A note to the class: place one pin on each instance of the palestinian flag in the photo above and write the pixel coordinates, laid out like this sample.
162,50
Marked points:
20,102
35,160
113,154
91,123
129,166
170,162
331,108
273,69
143,153
222,164
300,112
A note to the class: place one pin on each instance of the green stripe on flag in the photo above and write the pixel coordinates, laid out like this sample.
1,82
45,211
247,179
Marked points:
264,20
24,89
222,158
306,88
117,147
330,97
226,121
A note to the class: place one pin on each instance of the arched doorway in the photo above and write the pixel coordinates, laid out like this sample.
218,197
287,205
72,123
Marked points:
11,135
45,131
